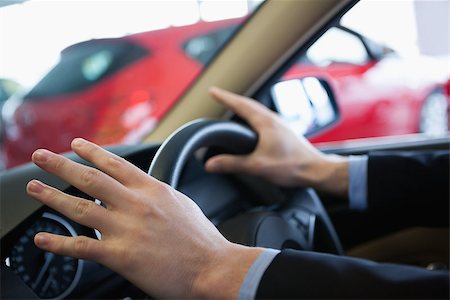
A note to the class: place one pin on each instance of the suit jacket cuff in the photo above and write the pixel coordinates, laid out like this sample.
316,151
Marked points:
357,190
255,273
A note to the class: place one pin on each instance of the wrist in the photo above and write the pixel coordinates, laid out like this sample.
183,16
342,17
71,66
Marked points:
329,174
225,273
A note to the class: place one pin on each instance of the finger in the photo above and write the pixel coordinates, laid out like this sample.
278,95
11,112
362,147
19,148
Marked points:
79,210
78,247
89,180
226,163
113,165
250,110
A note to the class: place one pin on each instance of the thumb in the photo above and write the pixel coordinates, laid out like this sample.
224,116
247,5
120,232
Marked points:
226,163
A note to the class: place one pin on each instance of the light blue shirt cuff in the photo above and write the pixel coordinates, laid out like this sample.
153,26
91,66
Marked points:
255,273
357,190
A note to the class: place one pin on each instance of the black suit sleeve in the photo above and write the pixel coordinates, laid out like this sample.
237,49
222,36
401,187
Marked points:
307,275
411,186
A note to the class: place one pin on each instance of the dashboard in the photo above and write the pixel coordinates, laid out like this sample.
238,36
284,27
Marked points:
49,275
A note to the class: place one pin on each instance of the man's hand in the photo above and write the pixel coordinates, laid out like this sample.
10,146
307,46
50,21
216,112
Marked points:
153,235
281,156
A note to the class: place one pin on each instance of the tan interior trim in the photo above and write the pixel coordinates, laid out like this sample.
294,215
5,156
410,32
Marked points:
256,51
418,246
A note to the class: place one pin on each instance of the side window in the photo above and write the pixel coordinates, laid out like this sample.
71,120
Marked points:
337,46
386,78
202,48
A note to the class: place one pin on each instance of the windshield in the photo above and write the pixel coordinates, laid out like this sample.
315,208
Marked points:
106,71
86,64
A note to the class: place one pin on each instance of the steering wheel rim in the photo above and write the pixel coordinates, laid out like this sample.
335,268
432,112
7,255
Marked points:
174,152
167,166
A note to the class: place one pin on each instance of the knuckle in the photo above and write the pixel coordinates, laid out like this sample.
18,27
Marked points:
160,188
146,209
114,163
51,194
82,208
125,253
127,260
89,177
164,190
150,210
268,122
227,166
259,120
90,151
257,165
60,163
80,246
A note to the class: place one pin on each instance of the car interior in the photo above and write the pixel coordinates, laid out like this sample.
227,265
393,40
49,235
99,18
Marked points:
246,209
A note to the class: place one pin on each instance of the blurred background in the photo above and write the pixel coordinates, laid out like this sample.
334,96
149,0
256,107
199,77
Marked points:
81,68
32,33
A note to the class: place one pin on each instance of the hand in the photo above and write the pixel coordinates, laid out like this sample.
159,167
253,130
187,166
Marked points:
281,156
152,235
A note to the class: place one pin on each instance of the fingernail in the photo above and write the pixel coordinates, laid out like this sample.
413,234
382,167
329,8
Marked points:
78,142
41,240
35,186
41,155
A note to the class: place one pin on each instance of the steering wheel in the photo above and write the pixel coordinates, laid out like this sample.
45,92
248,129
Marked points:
300,221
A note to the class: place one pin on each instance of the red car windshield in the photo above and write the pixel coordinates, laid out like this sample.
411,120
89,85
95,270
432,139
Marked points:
203,47
84,64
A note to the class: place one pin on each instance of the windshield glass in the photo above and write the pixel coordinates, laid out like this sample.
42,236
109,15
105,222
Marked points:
84,65
107,71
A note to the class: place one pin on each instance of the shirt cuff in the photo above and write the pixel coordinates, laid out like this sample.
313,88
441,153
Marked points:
255,273
357,191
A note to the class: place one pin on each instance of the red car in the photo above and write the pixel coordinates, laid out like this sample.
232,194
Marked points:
116,90
372,82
